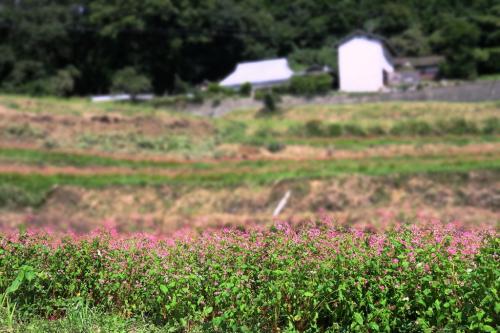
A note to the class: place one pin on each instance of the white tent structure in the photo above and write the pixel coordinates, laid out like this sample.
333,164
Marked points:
259,74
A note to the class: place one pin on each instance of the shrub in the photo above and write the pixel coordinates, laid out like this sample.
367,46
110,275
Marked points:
491,126
457,126
376,130
335,130
215,89
412,128
314,128
354,130
421,128
260,93
311,85
460,126
275,147
280,89
129,81
271,103
246,89
63,83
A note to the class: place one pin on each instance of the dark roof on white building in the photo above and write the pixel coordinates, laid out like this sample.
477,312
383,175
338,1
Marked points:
367,35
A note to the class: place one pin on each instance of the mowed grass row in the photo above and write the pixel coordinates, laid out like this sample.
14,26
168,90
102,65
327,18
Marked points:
360,143
31,189
283,128
45,157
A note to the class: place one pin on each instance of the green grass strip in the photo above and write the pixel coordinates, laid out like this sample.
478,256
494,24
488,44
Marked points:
363,143
31,189
46,158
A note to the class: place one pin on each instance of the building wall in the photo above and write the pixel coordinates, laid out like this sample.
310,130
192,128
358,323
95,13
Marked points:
361,65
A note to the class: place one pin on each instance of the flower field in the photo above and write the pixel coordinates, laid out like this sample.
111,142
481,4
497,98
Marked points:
314,277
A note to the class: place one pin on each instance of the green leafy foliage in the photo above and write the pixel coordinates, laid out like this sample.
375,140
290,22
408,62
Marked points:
319,278
325,56
314,128
275,147
458,39
270,103
216,92
168,40
129,81
246,89
453,126
311,85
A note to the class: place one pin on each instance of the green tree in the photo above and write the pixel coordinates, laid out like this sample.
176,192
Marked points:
395,18
270,103
458,40
37,42
325,56
489,24
203,40
311,85
129,81
63,83
412,42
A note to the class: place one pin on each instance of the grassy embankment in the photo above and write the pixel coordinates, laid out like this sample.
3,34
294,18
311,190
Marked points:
342,127
360,128
31,188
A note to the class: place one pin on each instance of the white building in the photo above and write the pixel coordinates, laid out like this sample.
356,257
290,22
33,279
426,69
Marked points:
259,74
365,64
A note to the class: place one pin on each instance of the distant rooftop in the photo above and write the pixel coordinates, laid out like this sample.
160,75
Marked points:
432,60
259,73
367,35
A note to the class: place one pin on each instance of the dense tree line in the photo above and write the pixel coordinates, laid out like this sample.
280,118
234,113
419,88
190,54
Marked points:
70,47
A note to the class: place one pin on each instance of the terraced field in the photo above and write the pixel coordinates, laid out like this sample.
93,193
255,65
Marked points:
70,162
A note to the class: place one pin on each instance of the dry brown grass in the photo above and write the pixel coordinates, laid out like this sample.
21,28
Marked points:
349,200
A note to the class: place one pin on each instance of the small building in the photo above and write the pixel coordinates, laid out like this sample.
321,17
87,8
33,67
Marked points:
365,63
405,78
260,74
426,67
